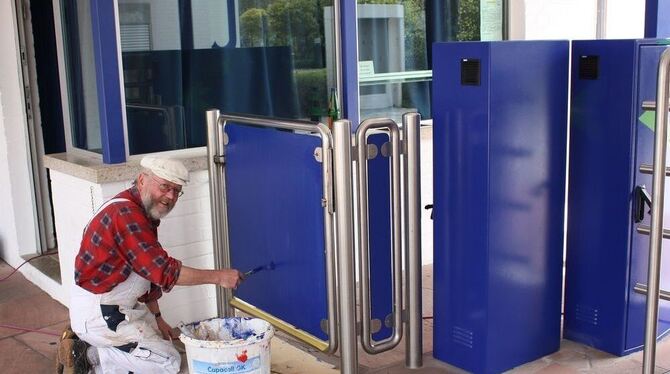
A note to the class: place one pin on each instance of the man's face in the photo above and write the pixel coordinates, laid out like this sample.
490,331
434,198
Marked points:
158,195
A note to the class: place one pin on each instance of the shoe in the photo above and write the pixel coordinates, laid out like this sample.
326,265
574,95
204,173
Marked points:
72,354
68,333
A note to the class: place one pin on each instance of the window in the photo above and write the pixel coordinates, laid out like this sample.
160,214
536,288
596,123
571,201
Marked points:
262,57
394,57
81,75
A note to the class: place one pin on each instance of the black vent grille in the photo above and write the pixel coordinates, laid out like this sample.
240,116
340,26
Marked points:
470,72
588,67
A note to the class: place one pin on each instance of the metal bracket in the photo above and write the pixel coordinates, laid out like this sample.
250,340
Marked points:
318,154
386,149
372,153
219,159
375,326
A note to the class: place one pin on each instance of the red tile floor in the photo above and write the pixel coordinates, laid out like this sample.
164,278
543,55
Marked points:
30,323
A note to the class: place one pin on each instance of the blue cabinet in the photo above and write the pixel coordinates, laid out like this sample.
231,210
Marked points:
499,133
606,255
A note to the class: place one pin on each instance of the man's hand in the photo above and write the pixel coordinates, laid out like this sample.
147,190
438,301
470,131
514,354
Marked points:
230,278
227,278
165,329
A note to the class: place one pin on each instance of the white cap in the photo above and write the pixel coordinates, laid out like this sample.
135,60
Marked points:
166,168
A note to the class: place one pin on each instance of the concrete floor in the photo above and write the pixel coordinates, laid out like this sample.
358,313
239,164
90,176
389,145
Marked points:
31,321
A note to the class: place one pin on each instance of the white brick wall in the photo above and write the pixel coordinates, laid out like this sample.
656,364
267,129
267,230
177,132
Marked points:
186,234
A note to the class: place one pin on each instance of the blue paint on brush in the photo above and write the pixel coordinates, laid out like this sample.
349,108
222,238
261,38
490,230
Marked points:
270,266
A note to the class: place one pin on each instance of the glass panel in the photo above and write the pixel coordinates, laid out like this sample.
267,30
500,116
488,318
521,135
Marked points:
394,70
180,58
81,77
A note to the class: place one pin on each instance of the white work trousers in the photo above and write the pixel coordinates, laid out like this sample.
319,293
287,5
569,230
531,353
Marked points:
133,322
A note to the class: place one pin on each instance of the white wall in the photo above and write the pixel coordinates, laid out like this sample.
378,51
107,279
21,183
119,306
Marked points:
553,19
18,228
186,233
574,19
625,19
17,218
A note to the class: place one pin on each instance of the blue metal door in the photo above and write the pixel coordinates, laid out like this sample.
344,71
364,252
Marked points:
274,190
649,55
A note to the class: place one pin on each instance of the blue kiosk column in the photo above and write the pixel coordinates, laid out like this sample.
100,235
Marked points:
611,145
499,134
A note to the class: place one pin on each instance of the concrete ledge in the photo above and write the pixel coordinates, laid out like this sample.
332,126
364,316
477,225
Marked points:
92,169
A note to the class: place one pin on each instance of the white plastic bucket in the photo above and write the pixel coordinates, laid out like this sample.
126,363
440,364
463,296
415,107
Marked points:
228,345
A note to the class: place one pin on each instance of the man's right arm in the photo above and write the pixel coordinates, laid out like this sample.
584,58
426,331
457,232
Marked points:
227,278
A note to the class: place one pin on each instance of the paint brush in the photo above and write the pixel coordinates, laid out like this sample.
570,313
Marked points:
270,266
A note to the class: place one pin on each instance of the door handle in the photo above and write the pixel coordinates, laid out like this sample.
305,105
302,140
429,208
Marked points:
642,200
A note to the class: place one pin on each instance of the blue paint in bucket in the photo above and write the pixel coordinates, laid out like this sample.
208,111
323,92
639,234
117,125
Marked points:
228,345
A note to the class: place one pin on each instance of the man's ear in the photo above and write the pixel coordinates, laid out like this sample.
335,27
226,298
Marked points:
141,180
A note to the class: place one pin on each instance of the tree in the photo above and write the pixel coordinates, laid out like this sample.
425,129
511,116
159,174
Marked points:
252,27
415,35
296,23
468,20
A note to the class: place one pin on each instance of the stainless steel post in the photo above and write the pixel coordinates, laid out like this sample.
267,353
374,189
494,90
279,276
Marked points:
412,163
657,204
215,154
345,245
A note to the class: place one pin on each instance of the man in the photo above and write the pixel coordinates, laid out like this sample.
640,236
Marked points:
121,271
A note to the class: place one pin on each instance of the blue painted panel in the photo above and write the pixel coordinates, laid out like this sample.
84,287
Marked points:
527,156
274,190
656,19
349,25
460,175
107,81
499,177
599,197
379,197
649,55
605,254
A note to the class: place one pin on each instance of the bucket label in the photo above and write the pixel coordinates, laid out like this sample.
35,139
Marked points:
251,364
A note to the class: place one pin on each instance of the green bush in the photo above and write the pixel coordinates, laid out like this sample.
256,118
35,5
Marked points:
252,27
312,92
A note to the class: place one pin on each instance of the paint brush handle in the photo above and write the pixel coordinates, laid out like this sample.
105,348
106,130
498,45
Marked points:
254,270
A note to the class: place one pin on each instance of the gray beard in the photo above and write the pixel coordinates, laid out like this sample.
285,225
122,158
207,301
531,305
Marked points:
152,209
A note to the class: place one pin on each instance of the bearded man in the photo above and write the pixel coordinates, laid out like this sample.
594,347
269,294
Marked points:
120,273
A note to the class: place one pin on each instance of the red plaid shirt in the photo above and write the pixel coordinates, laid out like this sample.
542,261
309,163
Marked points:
121,239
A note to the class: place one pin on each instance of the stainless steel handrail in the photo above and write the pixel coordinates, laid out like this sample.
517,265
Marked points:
412,182
369,345
328,222
657,204
345,244
642,289
645,230
649,105
215,150
649,169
